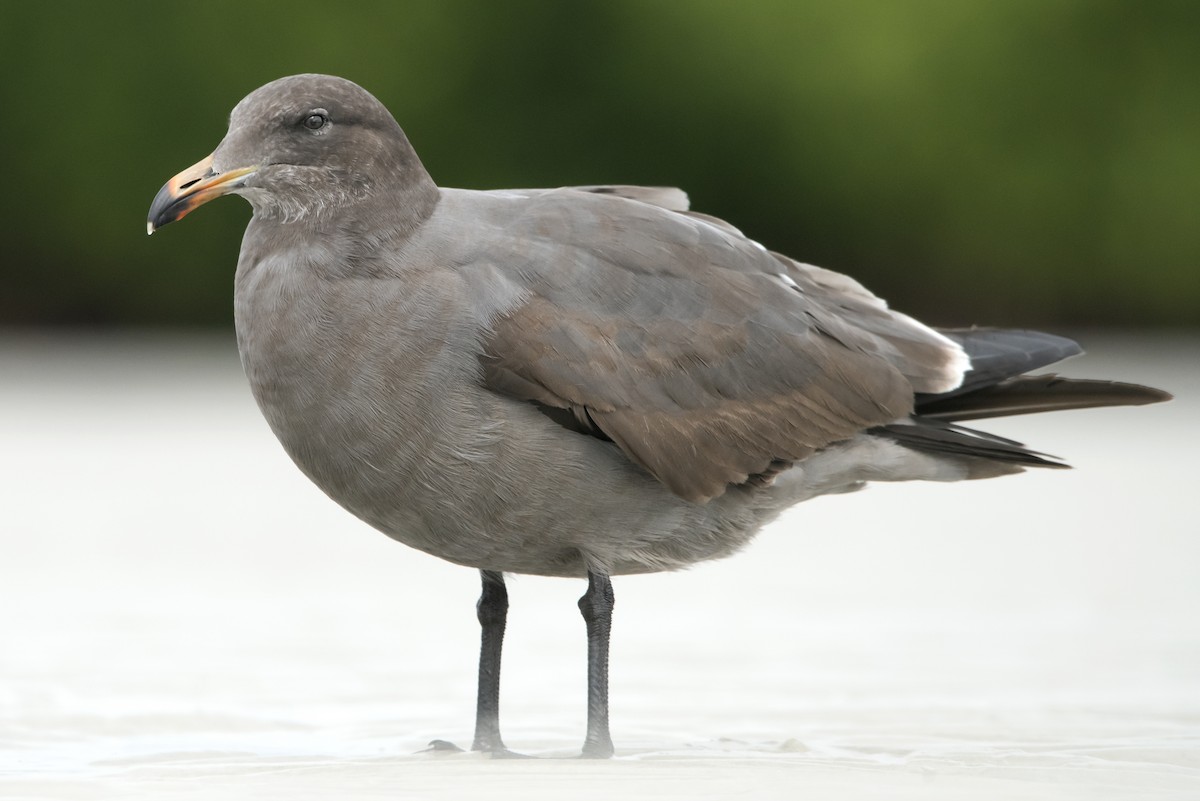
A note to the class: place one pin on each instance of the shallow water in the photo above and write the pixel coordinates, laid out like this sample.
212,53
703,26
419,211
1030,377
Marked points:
184,616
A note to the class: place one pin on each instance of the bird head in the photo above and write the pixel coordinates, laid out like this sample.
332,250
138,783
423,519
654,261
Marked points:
297,147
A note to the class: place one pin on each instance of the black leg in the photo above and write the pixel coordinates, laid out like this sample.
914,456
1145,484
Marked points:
596,606
492,610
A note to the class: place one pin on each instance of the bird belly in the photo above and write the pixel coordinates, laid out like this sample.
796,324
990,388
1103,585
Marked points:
382,407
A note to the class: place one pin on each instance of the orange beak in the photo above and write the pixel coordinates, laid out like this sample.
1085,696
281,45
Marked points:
191,189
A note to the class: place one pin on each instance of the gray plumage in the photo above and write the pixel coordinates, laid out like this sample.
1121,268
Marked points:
576,380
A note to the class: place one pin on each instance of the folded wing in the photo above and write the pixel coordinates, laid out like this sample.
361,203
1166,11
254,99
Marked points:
708,360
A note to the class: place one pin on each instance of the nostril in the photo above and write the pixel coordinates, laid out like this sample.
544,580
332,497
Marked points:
209,173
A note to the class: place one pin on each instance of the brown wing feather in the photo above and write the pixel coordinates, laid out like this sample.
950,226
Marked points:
681,343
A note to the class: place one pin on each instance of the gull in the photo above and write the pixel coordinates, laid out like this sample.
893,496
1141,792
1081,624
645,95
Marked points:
583,381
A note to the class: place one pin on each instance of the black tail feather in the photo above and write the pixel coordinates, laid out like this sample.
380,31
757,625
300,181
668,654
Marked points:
996,386
997,354
1035,393
938,437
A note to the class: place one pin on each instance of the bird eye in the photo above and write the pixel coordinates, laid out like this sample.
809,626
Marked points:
315,121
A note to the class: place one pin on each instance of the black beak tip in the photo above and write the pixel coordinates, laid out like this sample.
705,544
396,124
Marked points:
163,210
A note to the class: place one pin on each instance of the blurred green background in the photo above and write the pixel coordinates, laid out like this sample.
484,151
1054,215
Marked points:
1012,161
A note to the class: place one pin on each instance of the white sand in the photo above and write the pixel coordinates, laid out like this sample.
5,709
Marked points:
183,616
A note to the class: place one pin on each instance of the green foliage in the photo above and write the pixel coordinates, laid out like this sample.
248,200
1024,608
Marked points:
974,161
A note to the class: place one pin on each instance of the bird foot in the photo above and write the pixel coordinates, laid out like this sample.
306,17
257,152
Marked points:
447,747
441,747
601,749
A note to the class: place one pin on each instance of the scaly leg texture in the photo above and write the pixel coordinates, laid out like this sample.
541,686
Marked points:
492,610
596,605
